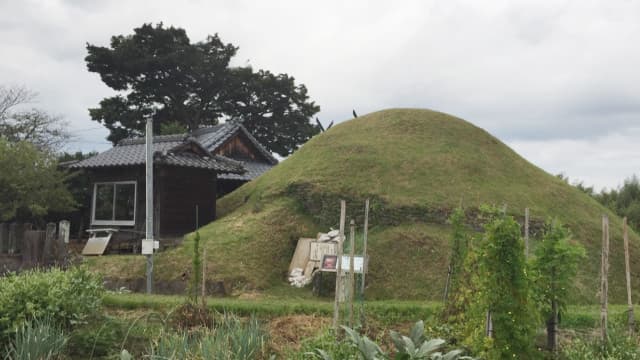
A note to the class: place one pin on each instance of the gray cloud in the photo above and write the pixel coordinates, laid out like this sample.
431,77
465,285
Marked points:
527,71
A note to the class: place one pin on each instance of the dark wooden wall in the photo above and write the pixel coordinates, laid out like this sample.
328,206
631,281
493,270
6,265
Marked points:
239,147
181,189
177,191
124,173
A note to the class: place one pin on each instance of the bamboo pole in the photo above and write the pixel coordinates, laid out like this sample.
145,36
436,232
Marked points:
352,275
204,278
364,246
488,325
625,234
446,285
604,284
336,304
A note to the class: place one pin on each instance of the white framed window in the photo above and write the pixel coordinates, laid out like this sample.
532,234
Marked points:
114,203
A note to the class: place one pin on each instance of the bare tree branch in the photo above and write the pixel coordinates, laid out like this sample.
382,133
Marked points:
47,132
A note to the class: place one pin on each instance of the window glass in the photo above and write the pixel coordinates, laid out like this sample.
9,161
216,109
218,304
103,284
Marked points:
104,202
125,202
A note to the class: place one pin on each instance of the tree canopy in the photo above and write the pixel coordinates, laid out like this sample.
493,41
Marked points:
30,183
18,123
160,74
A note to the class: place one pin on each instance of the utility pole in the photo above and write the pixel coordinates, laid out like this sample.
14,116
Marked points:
149,203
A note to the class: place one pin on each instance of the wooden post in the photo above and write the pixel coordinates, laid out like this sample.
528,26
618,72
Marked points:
365,233
49,240
64,230
526,233
336,304
446,285
27,251
12,238
352,275
604,284
625,234
488,330
552,328
3,237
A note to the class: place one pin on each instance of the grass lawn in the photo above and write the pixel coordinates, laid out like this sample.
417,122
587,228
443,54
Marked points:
578,317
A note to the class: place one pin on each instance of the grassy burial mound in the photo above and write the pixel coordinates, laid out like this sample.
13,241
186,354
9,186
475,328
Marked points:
415,166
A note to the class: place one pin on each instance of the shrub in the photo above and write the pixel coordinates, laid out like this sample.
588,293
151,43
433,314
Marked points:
65,297
504,290
554,268
36,339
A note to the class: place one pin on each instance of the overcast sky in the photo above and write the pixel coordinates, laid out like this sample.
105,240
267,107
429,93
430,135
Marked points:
558,81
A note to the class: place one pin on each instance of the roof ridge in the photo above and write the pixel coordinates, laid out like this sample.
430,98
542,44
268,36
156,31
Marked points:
156,139
208,129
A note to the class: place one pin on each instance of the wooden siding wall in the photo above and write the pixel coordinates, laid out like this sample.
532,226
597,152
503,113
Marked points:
125,173
181,189
177,191
238,147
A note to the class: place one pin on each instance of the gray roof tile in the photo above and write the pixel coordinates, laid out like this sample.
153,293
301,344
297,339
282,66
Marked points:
131,152
254,169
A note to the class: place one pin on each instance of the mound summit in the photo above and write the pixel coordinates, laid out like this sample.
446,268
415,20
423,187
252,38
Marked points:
415,166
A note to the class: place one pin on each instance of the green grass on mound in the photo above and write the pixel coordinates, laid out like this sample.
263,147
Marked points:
415,166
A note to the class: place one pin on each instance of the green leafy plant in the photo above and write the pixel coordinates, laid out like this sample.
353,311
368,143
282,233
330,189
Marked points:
416,346
230,339
504,292
459,245
412,347
196,269
67,297
323,346
37,339
555,267
619,346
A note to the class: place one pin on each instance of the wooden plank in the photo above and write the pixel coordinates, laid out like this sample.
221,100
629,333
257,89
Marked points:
33,243
11,248
336,304
301,254
320,249
96,245
630,317
308,269
64,230
50,237
4,238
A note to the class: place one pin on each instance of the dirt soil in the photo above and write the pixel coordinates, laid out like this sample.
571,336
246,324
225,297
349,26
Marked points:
286,332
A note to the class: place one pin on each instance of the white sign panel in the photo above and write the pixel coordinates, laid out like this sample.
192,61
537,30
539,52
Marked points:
358,264
329,263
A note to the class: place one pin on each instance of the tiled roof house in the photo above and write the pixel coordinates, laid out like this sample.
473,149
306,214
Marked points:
190,172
